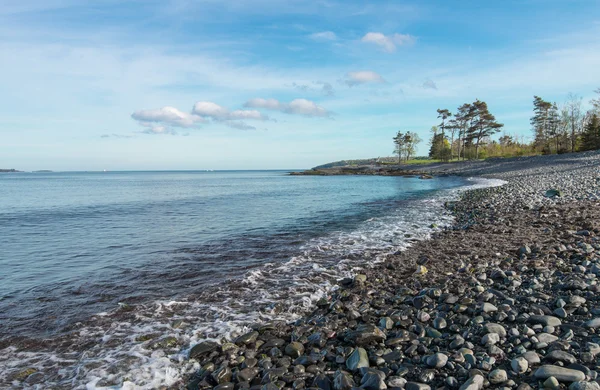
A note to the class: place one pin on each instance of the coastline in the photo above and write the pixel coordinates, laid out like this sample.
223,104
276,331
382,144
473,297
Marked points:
493,307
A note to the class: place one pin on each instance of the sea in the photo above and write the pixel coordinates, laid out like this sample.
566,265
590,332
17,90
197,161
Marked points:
108,278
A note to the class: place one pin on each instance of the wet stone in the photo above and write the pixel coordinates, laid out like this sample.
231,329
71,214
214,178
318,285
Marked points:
560,373
545,320
560,356
437,360
519,365
416,386
343,381
294,349
247,338
473,383
357,359
373,380
498,376
203,348
495,328
584,386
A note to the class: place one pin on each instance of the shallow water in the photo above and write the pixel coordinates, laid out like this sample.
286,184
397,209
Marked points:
92,261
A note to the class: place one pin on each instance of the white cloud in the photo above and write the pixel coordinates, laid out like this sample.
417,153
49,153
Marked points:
322,87
155,129
269,104
306,108
429,84
388,43
297,107
363,77
167,116
324,36
239,125
220,113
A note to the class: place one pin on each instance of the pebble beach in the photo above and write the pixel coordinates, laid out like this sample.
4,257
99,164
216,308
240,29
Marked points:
506,298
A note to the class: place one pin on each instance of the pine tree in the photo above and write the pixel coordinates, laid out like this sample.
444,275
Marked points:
399,145
590,139
462,119
482,125
539,122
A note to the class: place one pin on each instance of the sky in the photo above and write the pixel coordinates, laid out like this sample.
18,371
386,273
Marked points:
272,84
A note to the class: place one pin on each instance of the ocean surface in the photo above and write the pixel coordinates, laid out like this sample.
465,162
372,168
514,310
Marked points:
98,268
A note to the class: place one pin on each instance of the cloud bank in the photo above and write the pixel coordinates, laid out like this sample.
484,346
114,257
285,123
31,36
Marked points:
302,107
363,77
163,120
324,36
169,116
388,43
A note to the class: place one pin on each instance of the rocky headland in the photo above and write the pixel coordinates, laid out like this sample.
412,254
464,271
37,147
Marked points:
506,298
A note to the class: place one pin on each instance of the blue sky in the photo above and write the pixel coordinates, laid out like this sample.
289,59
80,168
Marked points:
177,84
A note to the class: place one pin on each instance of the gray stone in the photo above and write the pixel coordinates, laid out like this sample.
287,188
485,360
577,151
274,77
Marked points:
546,338
322,382
357,359
439,323
524,250
519,365
343,381
584,386
247,374
396,381
594,323
373,380
203,348
553,192
360,278
490,339
224,386
437,360
222,375
488,308
560,312
294,349
474,383
247,338
497,376
560,356
416,386
545,320
551,383
491,327
560,373
365,334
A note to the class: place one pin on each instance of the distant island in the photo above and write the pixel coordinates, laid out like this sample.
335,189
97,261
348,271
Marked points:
8,170
42,171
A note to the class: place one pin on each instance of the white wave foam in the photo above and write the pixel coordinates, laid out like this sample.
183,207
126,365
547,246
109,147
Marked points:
282,292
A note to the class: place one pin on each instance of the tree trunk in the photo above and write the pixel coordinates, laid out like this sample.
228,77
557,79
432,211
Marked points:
572,135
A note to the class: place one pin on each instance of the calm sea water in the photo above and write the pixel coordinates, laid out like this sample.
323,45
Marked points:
91,261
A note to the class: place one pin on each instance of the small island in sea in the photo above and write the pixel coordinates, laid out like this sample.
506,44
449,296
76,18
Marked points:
9,171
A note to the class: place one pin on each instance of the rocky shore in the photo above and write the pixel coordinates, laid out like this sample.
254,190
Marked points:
507,298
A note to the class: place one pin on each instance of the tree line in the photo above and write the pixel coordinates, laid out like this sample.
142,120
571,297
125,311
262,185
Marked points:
464,135
467,133
565,128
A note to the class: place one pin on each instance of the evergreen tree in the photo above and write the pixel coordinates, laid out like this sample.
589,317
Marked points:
596,102
399,145
590,139
443,114
482,125
462,120
539,122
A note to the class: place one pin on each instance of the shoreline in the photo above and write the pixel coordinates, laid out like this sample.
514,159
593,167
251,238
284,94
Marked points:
461,322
